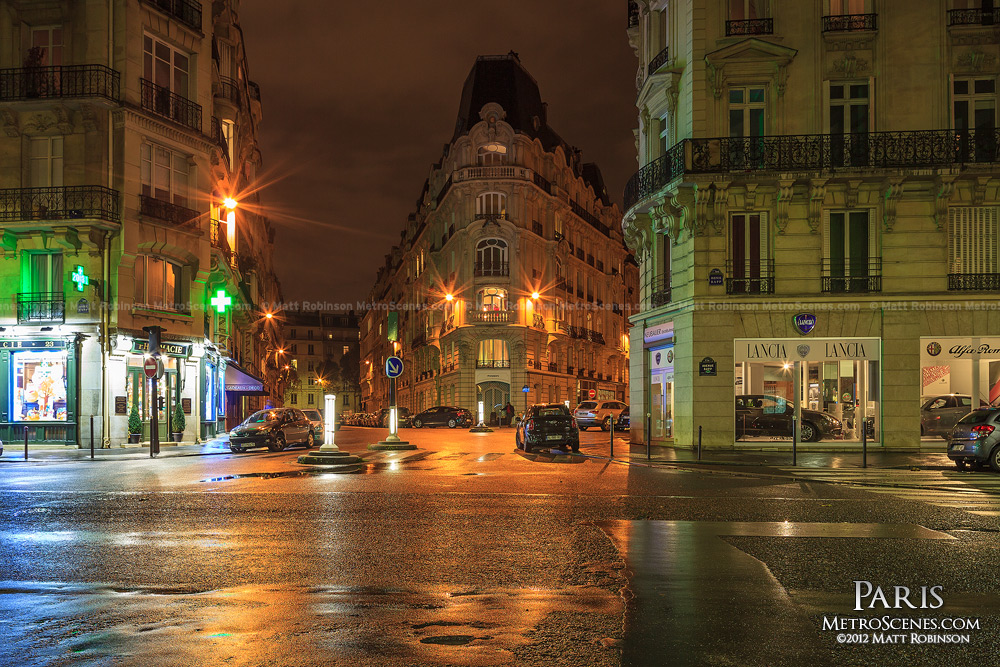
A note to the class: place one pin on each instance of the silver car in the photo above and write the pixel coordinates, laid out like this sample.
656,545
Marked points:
939,414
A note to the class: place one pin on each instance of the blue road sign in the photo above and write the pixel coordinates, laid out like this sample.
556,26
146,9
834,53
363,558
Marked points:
393,367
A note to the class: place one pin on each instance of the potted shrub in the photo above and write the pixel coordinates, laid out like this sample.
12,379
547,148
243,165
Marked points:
134,427
178,423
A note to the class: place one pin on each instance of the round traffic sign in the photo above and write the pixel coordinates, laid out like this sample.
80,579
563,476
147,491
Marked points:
393,367
592,393
150,367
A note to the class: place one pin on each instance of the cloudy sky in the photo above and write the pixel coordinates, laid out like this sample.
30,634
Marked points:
359,98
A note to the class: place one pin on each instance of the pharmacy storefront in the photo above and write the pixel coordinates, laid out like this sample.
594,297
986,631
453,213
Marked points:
831,386
39,390
658,341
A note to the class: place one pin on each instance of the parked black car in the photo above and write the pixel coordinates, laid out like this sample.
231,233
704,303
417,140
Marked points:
975,440
443,416
623,423
402,414
275,429
766,415
547,424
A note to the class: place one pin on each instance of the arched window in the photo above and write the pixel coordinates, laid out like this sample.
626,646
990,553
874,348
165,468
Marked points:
491,258
491,154
492,298
493,354
492,204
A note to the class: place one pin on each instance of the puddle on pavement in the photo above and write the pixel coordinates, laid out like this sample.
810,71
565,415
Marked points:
449,640
552,456
291,473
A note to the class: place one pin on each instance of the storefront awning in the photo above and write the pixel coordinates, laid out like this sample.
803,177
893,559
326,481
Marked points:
241,381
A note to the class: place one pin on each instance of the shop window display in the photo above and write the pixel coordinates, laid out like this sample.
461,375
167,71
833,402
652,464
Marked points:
39,386
957,374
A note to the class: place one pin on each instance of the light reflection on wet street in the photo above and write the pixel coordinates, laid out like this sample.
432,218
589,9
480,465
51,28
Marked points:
463,552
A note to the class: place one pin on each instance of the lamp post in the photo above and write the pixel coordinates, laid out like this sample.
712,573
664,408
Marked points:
329,455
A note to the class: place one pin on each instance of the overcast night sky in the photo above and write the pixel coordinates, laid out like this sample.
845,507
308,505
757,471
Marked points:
359,98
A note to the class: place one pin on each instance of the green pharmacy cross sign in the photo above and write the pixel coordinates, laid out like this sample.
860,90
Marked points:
80,278
220,301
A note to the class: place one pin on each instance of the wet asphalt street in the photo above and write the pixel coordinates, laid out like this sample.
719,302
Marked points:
467,552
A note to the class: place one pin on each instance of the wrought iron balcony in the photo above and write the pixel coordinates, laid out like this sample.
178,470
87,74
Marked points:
590,219
750,27
489,316
814,152
851,275
974,282
975,16
162,102
187,12
492,363
752,276
164,210
633,14
66,203
538,321
229,89
492,269
541,181
28,83
849,22
219,138
658,61
41,307
659,291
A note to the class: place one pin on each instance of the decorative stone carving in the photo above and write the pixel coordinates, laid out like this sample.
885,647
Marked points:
719,201
780,78
975,60
64,119
786,191
10,122
943,188
850,66
716,79
817,193
979,190
853,187
892,190
750,197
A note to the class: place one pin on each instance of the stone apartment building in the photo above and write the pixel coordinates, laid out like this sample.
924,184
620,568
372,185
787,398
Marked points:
323,349
815,215
512,271
127,124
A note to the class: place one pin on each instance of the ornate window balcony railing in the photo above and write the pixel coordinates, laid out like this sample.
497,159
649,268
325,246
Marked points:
492,363
749,27
975,16
489,316
916,149
974,282
41,307
28,83
187,12
219,138
659,291
589,218
65,203
229,89
851,276
164,210
849,22
163,102
752,276
491,269
658,61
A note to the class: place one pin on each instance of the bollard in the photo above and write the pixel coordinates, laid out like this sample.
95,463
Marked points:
25,443
612,438
699,443
649,433
864,446
795,440
91,436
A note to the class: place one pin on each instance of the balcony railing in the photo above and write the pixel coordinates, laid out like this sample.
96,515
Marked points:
492,363
814,152
752,276
583,333
750,27
658,61
219,138
538,321
27,83
590,218
541,181
974,282
229,89
187,12
633,14
164,210
489,316
162,102
975,16
849,22
492,269
66,203
659,291
852,276
41,307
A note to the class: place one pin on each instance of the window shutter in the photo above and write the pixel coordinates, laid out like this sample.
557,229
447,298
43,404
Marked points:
765,250
871,104
826,241
825,110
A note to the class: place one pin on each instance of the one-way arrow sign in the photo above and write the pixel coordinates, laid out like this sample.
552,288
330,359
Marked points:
393,367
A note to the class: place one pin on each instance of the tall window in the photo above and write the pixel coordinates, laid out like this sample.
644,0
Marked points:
164,174
491,154
44,272
844,7
45,162
492,298
744,10
849,122
165,66
229,134
974,107
972,240
746,122
491,258
749,270
851,262
49,40
159,283
491,204
493,352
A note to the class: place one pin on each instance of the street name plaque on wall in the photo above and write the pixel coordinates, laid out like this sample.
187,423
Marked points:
121,405
186,405
715,277
707,366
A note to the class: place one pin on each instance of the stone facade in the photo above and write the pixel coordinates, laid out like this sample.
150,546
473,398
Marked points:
323,349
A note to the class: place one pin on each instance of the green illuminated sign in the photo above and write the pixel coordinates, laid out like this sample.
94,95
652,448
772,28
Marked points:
80,278
221,301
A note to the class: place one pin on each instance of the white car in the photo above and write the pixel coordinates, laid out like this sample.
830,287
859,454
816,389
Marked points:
598,413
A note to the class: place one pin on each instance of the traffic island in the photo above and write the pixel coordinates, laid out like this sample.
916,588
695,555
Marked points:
480,429
391,445
331,459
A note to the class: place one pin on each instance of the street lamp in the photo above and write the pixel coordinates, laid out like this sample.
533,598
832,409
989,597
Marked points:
535,296
449,297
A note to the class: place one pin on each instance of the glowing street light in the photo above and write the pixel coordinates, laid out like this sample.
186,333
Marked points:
449,297
535,296
229,203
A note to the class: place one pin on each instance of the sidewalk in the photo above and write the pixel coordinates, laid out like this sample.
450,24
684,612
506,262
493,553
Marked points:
53,453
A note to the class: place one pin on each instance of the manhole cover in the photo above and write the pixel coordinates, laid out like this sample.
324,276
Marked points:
448,640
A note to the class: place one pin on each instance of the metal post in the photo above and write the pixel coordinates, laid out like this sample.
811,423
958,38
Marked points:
612,438
795,440
154,421
649,433
25,442
699,443
864,445
91,436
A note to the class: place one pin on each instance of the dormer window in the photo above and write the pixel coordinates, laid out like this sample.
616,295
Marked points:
491,154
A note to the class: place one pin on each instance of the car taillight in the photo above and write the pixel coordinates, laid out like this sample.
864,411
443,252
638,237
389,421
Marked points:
529,425
982,431
573,421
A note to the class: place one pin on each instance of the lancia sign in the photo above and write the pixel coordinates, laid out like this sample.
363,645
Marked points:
804,322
